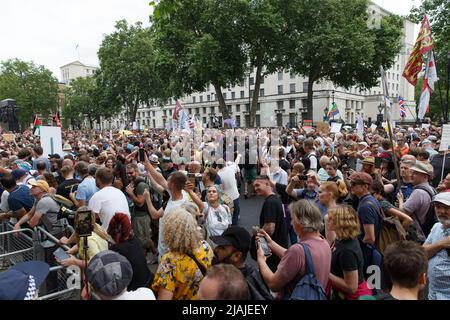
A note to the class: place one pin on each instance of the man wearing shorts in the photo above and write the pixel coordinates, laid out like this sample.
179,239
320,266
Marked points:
140,216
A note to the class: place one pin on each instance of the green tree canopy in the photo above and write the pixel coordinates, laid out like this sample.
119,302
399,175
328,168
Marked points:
34,88
331,40
128,68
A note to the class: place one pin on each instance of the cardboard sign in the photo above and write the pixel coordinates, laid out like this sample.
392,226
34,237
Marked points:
445,137
336,127
9,137
373,127
323,128
51,140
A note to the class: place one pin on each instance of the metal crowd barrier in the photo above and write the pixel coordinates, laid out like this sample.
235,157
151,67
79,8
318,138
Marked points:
16,246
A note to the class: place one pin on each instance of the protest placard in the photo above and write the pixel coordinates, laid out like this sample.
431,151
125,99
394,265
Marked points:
51,140
9,137
323,128
445,137
336,127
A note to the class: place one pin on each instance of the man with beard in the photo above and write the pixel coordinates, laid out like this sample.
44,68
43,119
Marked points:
437,247
232,248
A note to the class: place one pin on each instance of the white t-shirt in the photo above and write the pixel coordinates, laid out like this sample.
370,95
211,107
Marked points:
107,202
227,175
217,219
139,294
162,248
313,161
4,207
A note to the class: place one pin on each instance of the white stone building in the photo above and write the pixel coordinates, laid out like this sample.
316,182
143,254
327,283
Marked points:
283,96
74,70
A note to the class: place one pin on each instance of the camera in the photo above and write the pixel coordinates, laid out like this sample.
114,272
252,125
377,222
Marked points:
66,213
83,223
302,177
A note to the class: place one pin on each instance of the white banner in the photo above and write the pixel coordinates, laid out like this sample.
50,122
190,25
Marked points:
51,140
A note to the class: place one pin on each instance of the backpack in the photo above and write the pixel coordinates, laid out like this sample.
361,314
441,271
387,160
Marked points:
391,230
430,218
308,288
226,200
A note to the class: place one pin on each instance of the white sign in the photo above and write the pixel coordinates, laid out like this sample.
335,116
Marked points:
373,127
336,127
445,137
51,140
425,125
135,125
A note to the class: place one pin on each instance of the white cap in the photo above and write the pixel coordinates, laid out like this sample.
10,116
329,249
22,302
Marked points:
443,197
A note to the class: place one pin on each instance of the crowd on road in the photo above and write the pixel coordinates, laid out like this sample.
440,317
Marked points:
345,215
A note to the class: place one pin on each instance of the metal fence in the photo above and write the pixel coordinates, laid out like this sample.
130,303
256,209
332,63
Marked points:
16,246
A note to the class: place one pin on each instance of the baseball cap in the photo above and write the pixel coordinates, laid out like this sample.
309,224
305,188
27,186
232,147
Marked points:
109,273
67,147
21,281
443,197
361,178
18,173
369,160
422,168
234,236
40,184
154,159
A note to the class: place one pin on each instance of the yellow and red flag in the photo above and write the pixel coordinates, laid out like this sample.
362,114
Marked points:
424,43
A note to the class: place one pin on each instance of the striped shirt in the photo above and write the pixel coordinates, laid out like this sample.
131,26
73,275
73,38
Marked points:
439,266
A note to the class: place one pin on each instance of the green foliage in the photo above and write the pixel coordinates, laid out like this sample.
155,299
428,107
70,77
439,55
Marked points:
331,40
33,87
127,63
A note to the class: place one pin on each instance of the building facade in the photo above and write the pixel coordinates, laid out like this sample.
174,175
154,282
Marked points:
76,69
283,96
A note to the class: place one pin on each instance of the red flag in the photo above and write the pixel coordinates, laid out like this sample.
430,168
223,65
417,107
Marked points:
424,43
178,108
58,123
37,122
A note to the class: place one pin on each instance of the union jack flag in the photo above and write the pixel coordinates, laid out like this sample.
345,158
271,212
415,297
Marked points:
402,108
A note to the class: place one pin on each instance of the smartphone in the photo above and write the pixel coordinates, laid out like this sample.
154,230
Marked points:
302,178
264,246
377,162
61,254
141,154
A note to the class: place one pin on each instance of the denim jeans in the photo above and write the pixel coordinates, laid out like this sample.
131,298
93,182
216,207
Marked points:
236,212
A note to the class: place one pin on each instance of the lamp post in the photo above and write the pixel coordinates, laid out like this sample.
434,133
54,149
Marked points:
332,95
325,112
296,119
447,91
380,114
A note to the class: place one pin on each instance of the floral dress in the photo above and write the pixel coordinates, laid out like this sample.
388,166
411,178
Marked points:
179,274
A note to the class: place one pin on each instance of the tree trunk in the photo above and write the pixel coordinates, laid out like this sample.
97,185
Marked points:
222,105
255,98
309,101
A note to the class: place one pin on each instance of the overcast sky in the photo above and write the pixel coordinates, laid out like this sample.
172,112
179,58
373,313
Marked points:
48,31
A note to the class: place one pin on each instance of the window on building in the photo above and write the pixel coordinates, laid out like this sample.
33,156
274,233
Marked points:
397,76
193,99
292,87
208,97
305,86
224,95
291,104
292,75
242,94
252,81
280,75
238,108
262,79
280,105
153,113
258,120
229,108
212,109
261,92
238,121
213,96
204,109
247,107
280,89
242,83
204,119
251,93
258,107
190,111
201,98
233,95
396,86
165,112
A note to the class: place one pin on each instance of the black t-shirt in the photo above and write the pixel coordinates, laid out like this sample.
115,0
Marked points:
272,212
385,296
347,256
284,164
131,249
67,186
333,179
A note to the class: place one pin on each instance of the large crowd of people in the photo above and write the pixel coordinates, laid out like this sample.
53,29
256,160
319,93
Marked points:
343,216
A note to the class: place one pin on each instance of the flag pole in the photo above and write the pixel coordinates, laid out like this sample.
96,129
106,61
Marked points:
444,115
394,154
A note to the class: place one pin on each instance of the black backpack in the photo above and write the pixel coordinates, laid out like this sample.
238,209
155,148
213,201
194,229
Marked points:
430,218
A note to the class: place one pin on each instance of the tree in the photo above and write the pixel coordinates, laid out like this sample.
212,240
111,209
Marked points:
128,68
265,41
331,40
33,87
200,43
438,13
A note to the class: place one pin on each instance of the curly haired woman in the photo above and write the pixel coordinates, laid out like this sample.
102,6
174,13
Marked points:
183,267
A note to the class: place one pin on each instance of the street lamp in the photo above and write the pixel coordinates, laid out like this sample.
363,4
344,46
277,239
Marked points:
332,94
296,119
380,114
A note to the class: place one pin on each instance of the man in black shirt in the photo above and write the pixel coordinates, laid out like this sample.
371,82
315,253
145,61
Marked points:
232,248
69,184
272,217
